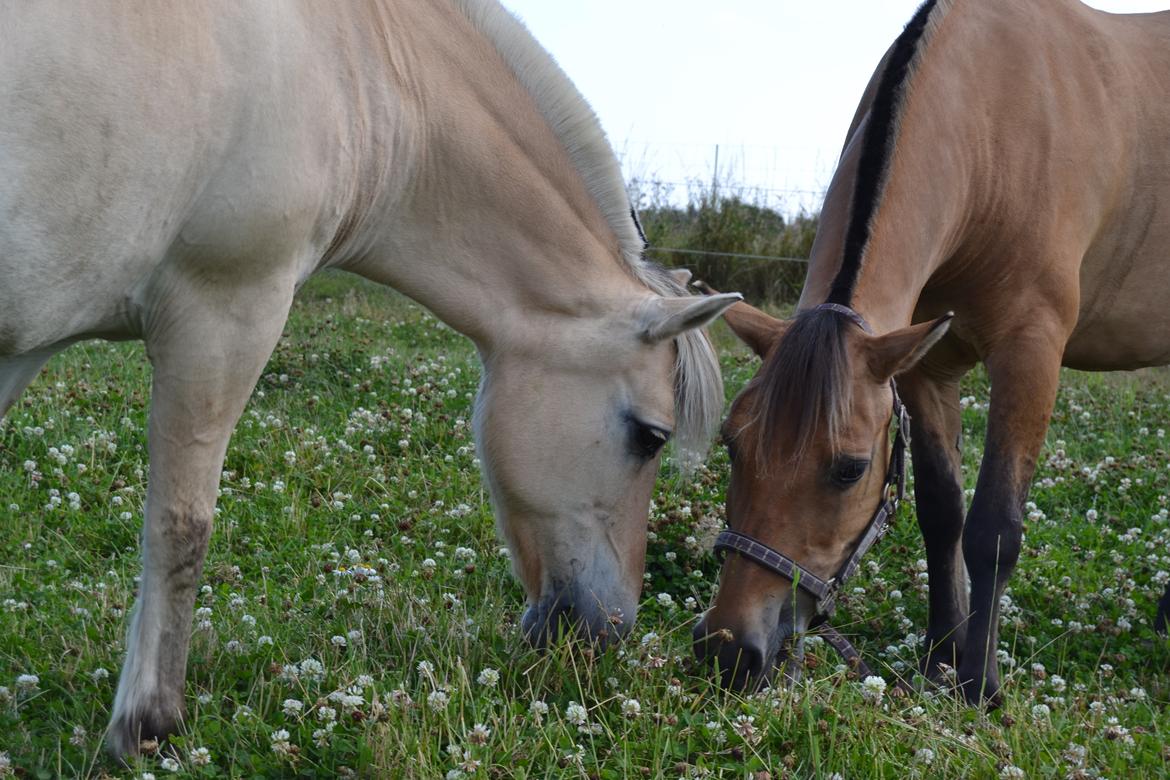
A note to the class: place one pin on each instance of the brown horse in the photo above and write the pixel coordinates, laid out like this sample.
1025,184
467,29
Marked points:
1008,163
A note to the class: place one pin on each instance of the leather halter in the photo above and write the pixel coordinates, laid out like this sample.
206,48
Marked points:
825,591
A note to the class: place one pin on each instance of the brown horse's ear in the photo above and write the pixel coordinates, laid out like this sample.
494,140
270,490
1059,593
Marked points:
754,328
899,350
758,330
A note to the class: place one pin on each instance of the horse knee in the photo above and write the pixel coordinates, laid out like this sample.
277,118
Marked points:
993,546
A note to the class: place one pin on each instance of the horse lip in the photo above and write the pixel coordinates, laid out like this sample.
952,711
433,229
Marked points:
786,645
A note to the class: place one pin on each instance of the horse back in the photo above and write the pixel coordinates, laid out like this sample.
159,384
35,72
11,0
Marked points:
205,135
1125,274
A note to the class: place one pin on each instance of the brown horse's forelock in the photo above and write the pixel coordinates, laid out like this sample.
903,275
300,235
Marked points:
805,389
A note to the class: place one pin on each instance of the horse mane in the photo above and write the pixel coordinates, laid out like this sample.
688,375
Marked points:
698,382
877,145
804,385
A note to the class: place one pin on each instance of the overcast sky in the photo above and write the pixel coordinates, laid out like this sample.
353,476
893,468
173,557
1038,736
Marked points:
772,83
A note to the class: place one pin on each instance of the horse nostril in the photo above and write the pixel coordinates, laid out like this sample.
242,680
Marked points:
741,664
543,623
707,642
549,621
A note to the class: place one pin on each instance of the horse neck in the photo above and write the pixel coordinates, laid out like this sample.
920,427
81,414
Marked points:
493,221
925,204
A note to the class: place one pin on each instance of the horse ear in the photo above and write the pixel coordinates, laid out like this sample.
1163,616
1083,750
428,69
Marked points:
758,330
899,350
681,275
668,317
754,328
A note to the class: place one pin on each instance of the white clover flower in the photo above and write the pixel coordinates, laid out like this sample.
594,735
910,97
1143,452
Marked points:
338,641
78,737
99,674
576,714
313,670
425,668
538,709
488,677
1075,755
631,708
479,734
326,714
27,682
1011,771
873,688
170,764
201,756
292,707
437,700
1040,712
924,756
280,744
665,599
744,726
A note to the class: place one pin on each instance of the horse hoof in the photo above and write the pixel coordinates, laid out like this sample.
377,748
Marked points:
938,666
978,691
131,734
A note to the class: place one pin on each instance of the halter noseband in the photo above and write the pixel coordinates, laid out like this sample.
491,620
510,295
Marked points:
825,591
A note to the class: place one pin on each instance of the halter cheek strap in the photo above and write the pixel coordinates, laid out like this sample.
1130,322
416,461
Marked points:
825,591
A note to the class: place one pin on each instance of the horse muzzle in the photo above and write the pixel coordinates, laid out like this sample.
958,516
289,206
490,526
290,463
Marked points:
573,612
748,660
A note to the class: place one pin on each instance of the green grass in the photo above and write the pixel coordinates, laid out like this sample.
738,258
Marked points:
327,472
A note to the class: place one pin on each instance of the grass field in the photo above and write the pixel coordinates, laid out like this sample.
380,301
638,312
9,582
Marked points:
359,618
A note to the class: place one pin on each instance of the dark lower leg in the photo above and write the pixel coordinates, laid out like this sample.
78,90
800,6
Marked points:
1024,383
938,492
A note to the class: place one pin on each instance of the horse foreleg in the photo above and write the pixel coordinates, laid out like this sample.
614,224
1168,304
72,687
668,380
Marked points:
1024,377
935,445
207,353
16,373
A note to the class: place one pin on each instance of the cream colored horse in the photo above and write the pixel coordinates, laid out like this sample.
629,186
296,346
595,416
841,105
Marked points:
174,173
1009,162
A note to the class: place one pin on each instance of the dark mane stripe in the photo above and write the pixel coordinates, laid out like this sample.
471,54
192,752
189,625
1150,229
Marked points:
875,152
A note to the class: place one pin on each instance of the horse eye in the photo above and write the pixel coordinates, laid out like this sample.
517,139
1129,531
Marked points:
646,440
846,471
